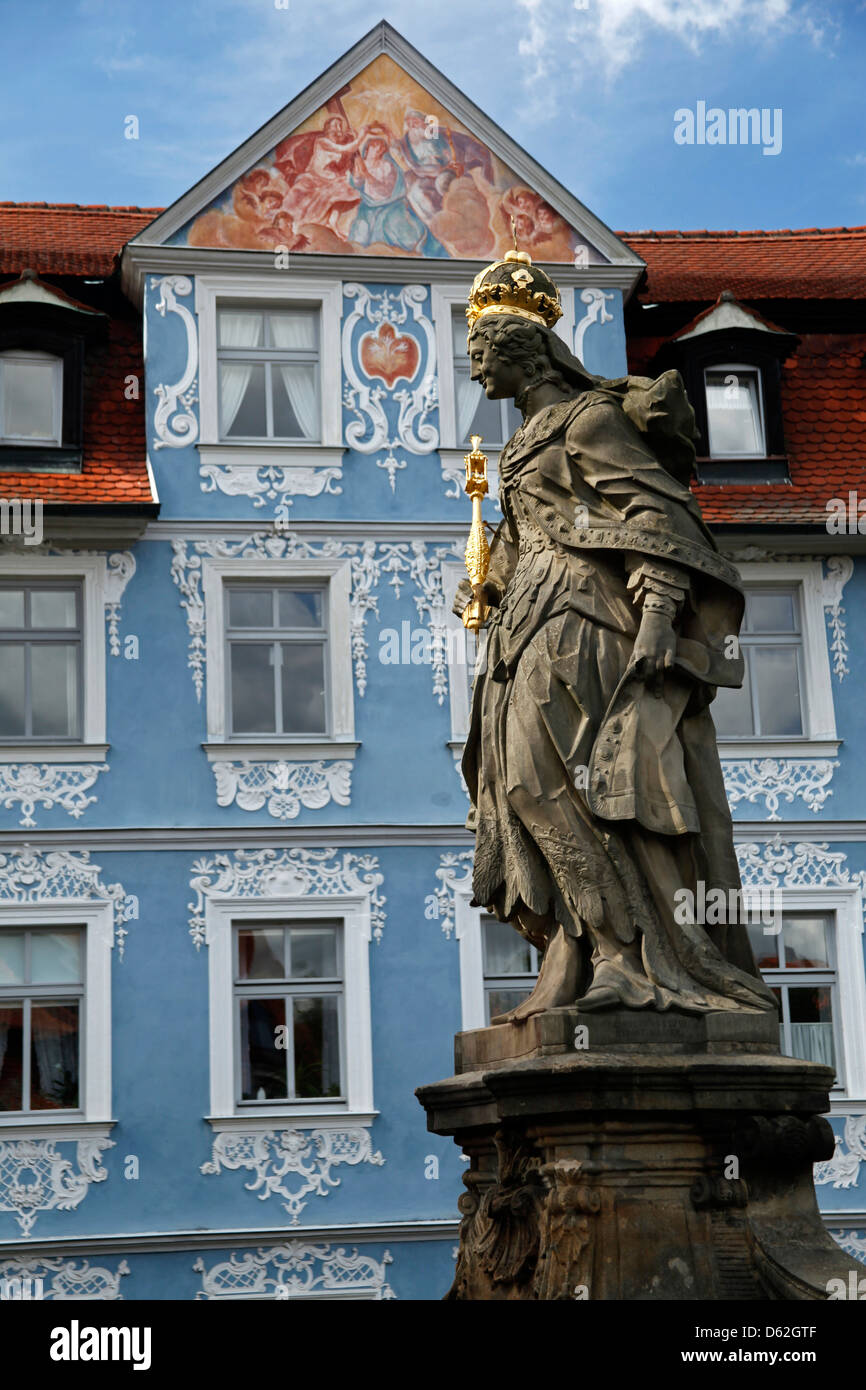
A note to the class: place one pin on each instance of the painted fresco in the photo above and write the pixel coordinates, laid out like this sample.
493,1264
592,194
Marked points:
383,170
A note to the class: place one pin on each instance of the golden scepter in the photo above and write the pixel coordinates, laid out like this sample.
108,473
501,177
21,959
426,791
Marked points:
477,549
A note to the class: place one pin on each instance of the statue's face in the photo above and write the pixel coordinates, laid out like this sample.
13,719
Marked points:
500,378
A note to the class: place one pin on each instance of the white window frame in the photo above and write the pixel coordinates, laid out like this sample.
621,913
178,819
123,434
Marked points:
846,904
336,572
731,369
90,571
29,442
97,920
274,290
445,297
221,917
819,718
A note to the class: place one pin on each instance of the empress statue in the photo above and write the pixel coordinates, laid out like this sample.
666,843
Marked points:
611,620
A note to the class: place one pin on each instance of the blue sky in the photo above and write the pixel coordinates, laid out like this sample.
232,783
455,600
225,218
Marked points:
589,87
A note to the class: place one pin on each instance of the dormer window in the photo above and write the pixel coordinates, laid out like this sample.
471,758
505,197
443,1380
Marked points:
31,399
735,411
730,358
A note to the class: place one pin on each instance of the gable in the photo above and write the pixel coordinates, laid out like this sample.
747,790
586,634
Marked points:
383,168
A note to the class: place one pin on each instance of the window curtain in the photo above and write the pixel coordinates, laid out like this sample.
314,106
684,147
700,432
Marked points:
55,1042
294,331
466,397
813,1042
239,330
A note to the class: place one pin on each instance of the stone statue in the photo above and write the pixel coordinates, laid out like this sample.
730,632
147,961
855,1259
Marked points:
591,762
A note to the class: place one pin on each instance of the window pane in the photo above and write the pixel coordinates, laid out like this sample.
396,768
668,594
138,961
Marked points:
459,331
805,942
314,953
294,328
261,954
812,1024
54,1056
263,1064
303,687
55,957
252,677
505,951
475,413
11,1056
11,958
11,607
296,405
54,690
251,608
732,709
29,406
240,328
317,1046
770,612
733,413
776,672
300,607
12,690
500,1001
242,400
765,946
52,608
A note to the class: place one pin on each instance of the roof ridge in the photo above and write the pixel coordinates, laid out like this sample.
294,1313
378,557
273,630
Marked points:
74,207
705,234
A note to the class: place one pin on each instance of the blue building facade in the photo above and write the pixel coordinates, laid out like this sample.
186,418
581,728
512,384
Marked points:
235,921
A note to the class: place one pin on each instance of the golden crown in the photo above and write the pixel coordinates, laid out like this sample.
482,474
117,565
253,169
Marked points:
514,286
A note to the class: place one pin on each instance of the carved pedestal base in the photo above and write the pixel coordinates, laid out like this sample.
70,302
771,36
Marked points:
676,1167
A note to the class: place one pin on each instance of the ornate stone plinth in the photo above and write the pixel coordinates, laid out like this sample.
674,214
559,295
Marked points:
662,1157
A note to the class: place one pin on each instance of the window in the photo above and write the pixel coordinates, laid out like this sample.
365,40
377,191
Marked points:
495,421
289,999
799,965
510,967
268,373
31,398
41,1013
770,701
735,416
290,1023
277,659
40,661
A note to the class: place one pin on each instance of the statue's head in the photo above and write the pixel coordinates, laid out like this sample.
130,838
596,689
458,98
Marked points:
512,308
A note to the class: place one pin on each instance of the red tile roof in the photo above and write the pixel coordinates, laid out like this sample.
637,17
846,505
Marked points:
811,263
65,238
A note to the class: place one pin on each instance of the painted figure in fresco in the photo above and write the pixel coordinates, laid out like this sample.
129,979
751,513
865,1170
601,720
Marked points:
435,156
591,762
385,214
317,168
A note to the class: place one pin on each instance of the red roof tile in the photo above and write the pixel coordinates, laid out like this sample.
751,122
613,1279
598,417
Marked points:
813,263
66,239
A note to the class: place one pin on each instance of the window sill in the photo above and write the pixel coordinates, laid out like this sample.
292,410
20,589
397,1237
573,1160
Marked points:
770,470
39,458
260,1122
75,1128
779,748
302,751
53,752
303,454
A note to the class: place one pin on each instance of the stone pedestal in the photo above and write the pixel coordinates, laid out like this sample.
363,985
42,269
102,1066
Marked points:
628,1155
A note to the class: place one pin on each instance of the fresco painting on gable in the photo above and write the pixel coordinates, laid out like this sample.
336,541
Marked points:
382,169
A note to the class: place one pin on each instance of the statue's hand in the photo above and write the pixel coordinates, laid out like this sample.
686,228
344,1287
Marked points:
463,597
654,650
